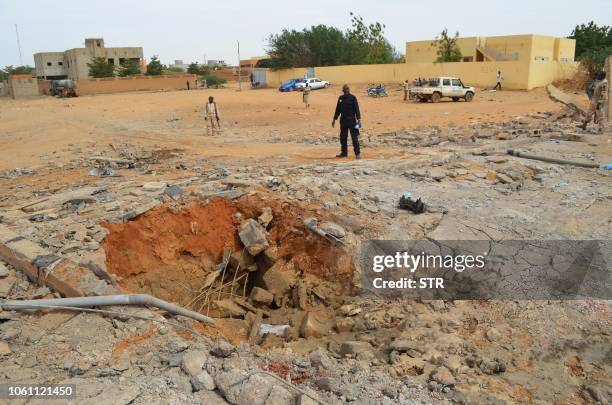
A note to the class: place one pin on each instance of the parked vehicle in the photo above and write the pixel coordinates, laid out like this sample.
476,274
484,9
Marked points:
63,88
313,83
436,88
289,85
377,91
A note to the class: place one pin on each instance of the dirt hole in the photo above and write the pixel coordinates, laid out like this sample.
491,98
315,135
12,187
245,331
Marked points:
193,255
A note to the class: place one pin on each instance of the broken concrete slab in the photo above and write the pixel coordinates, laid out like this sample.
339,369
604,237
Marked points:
279,278
266,217
333,229
253,236
261,296
3,270
313,325
352,348
193,362
562,97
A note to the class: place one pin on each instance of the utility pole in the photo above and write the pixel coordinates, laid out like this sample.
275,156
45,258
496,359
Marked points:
239,69
18,45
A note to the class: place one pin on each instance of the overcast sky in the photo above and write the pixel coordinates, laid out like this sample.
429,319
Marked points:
193,29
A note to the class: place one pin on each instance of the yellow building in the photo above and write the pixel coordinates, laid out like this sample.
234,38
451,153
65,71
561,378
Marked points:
499,48
526,62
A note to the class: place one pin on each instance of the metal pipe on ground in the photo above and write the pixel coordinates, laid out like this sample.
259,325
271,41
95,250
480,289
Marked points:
553,160
106,300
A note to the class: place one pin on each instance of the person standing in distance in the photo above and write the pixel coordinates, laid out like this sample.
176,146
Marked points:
347,109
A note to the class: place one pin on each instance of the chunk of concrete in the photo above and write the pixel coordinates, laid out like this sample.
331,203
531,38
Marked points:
261,296
266,217
333,229
280,396
279,278
313,326
203,381
241,260
3,270
228,309
253,236
193,362
352,348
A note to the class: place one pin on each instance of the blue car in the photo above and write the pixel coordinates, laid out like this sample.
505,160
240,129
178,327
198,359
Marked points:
289,85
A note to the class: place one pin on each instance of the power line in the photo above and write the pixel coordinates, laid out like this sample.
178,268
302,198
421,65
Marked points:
18,45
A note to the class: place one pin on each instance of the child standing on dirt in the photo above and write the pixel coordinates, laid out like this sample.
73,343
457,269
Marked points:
306,96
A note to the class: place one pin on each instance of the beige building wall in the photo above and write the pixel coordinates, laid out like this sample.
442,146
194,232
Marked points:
49,64
74,61
134,83
426,51
20,86
518,75
499,48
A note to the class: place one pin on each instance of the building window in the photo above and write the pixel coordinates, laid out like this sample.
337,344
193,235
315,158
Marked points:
60,63
541,58
111,61
98,43
49,63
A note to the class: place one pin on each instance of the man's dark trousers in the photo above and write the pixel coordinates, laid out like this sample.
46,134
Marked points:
345,127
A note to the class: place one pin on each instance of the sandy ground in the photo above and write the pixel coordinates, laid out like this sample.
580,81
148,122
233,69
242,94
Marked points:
50,129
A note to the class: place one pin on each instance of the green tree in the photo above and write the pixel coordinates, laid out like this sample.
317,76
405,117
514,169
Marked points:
593,45
155,68
448,50
15,70
128,67
175,69
100,67
323,45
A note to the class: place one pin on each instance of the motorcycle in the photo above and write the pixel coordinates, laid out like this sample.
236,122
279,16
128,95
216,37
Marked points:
378,91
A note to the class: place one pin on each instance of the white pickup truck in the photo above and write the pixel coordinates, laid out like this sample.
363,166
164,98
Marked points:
437,87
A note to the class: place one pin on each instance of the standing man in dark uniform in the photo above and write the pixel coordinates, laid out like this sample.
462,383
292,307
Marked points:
350,120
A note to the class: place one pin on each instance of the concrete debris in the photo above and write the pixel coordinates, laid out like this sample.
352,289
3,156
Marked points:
253,236
266,217
261,296
203,381
562,97
314,326
333,229
222,349
3,270
279,278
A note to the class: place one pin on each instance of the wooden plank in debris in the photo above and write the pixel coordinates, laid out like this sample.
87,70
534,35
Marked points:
255,326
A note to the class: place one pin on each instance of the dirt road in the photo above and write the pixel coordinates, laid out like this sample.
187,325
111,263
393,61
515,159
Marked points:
258,124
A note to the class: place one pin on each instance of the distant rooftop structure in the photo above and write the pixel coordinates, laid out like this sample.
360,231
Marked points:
72,63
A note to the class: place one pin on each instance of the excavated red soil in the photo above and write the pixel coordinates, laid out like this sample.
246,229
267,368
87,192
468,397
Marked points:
167,252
